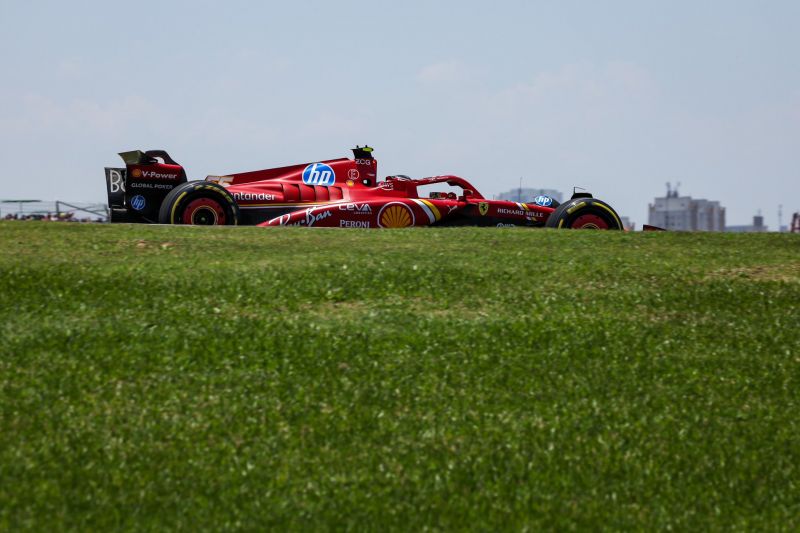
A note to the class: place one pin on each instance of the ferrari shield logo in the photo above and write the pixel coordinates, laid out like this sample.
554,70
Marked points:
483,208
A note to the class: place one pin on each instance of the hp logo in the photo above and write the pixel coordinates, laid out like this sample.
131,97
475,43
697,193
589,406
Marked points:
319,174
544,201
138,202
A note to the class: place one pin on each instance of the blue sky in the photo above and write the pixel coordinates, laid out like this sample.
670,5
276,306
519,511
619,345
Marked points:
618,97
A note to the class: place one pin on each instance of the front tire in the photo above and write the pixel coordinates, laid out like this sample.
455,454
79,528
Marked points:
199,203
584,213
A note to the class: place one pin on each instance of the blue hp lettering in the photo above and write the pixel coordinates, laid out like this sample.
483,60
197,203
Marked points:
319,174
544,201
138,202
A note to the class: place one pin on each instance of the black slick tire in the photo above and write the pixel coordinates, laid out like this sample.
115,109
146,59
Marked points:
584,213
199,203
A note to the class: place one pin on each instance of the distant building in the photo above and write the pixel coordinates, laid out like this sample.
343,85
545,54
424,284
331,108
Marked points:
527,194
627,223
756,227
684,213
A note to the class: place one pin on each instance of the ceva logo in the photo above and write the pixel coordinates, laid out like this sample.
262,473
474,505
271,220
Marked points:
319,174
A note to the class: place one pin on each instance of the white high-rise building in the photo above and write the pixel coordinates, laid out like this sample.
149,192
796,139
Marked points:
684,213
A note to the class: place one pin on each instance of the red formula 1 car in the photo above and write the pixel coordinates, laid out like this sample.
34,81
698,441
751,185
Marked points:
340,193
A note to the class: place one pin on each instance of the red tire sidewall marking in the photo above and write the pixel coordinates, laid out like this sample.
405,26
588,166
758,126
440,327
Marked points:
204,203
589,221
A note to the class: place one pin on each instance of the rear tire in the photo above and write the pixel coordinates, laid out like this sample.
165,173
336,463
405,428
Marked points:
200,203
584,213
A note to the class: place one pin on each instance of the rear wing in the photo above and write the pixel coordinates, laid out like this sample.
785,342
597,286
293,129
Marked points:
135,192
150,157
115,187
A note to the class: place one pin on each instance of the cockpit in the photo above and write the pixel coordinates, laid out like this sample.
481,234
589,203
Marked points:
439,195
443,187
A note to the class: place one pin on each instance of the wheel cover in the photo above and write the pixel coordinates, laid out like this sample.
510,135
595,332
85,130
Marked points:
204,212
589,221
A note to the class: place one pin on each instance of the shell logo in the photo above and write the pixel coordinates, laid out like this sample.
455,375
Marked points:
136,173
395,215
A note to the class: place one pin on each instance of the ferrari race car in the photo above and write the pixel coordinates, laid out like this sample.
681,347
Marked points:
340,193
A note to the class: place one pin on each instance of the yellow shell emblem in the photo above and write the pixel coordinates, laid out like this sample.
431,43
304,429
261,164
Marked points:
483,207
395,216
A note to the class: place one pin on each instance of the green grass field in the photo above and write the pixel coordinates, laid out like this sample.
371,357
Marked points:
248,378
